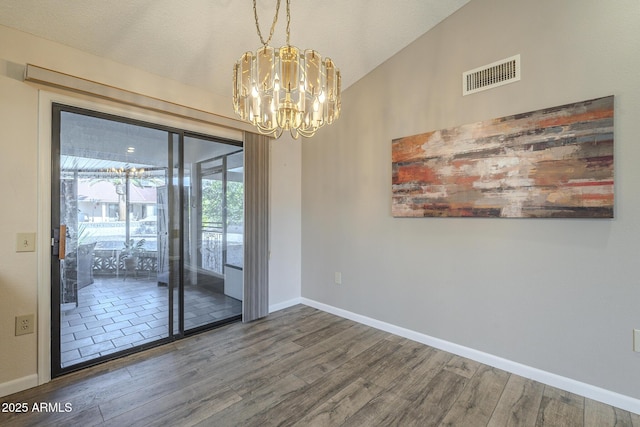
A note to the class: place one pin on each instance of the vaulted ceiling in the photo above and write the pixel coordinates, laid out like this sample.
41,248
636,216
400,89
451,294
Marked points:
196,42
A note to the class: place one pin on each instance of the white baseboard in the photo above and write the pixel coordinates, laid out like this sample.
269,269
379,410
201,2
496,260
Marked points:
18,384
284,304
587,390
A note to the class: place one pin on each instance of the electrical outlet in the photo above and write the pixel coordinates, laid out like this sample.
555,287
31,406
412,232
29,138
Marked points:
338,278
636,340
25,324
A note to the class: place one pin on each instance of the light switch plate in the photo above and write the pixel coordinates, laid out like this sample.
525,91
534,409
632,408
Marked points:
26,242
636,340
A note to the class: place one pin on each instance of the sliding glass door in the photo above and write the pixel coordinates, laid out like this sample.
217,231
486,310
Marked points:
144,219
213,224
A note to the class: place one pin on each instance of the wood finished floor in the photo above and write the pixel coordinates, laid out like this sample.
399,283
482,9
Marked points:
304,367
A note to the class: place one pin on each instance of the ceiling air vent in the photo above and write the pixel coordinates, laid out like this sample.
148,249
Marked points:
493,75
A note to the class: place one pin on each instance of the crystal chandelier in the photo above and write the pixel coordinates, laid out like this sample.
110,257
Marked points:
285,89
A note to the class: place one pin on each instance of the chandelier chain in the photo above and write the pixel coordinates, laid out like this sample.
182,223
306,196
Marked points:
288,20
273,24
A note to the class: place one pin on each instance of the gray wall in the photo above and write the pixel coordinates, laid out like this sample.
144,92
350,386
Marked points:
561,295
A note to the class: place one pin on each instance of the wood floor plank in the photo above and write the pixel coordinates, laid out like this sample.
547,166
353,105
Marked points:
404,360
237,336
88,381
260,399
519,403
255,334
88,417
597,414
261,375
177,374
635,420
410,385
195,403
342,405
83,392
310,357
462,366
478,399
323,333
560,408
380,411
434,404
335,351
218,370
313,395
130,398
247,371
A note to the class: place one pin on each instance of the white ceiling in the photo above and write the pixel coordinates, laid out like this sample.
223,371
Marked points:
197,42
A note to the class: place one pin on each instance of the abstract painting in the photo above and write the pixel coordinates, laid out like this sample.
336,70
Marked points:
551,163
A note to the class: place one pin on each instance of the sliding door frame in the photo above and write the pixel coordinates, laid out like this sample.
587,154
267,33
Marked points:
54,87
54,349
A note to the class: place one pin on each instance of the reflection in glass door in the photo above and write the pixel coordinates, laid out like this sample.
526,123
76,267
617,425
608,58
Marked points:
213,222
137,260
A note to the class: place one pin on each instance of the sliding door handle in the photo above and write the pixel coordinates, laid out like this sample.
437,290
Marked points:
58,241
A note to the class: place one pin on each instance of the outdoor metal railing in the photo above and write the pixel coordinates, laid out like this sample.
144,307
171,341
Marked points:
212,256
